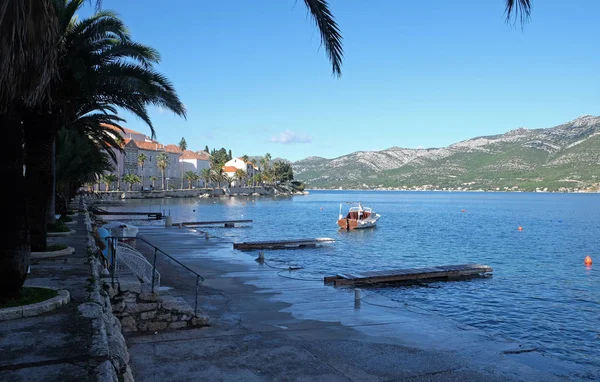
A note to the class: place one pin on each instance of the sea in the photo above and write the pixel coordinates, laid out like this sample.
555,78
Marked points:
540,294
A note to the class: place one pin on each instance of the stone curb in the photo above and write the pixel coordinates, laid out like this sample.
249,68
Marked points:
107,338
38,308
52,254
58,234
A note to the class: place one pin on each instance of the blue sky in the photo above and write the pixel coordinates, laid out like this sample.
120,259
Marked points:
254,78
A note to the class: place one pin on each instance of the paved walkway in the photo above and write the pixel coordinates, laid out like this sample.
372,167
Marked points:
53,346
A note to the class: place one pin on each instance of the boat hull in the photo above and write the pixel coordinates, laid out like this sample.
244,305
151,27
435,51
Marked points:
349,224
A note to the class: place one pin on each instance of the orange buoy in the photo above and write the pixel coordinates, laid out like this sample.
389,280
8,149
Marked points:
463,211
520,228
321,208
587,260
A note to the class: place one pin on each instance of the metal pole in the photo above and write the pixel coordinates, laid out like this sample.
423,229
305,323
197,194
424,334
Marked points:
196,306
112,259
154,268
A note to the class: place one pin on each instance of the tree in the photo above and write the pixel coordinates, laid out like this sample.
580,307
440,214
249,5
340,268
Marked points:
229,156
229,179
99,68
191,176
282,171
218,158
207,176
218,176
80,160
257,178
206,149
141,160
153,179
162,161
245,158
108,179
240,175
131,179
182,147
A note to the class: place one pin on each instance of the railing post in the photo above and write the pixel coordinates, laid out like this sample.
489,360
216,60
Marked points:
154,268
112,259
196,306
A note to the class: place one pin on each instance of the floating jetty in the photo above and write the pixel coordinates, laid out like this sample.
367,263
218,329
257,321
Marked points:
283,244
226,223
444,272
155,215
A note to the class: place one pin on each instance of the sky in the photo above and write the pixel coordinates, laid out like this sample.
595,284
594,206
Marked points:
254,78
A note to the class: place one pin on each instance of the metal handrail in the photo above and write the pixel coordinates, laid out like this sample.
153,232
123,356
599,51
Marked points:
112,249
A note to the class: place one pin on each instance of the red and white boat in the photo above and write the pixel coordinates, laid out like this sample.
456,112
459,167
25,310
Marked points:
358,217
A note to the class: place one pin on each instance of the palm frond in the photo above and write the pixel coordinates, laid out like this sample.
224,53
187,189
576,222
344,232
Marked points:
331,36
28,54
520,9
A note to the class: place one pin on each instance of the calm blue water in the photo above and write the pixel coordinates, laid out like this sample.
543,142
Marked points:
540,295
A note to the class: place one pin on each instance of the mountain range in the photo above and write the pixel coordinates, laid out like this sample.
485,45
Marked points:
560,158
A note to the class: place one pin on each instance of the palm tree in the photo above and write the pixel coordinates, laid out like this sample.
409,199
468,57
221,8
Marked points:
206,175
257,178
229,179
191,176
218,176
240,175
153,179
141,160
79,161
99,65
182,146
162,161
108,179
245,158
131,179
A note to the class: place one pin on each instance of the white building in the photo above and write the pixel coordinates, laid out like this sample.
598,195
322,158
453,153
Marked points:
195,162
239,163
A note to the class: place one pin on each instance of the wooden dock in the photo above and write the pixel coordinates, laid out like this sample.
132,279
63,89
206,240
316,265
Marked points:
448,272
155,215
226,223
283,244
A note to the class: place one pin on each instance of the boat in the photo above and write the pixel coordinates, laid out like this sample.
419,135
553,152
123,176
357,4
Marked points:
358,217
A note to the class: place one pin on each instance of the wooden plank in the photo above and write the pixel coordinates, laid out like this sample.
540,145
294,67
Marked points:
411,274
213,222
282,244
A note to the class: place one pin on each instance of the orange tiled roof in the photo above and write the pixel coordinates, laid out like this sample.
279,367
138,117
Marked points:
127,131
172,149
203,155
188,154
229,169
125,142
152,146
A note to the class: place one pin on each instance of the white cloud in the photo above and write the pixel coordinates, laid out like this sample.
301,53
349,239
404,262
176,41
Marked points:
288,137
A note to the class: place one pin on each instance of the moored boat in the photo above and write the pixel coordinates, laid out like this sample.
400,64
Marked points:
358,217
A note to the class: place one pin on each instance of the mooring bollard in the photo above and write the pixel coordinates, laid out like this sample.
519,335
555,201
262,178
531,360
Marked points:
206,235
261,257
168,221
356,294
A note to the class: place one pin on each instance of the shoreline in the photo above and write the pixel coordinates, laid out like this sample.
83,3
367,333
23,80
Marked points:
244,297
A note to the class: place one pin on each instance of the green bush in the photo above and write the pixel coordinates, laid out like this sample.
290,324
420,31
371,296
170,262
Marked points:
30,296
57,227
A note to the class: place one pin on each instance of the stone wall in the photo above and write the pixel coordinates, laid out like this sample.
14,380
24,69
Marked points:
149,312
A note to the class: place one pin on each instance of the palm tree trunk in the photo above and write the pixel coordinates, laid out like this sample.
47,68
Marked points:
162,174
15,248
51,211
39,133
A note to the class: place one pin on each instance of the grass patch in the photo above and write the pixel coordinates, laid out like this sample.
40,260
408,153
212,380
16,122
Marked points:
65,219
58,227
30,296
55,247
